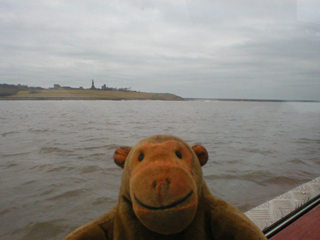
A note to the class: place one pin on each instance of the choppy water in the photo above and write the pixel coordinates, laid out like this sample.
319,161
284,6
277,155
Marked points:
57,172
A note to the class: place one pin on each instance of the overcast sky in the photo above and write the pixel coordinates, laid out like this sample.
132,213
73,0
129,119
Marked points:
267,49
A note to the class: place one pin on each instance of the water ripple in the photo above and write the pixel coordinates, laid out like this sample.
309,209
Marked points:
57,170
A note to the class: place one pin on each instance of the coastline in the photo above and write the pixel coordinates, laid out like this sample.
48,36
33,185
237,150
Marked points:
88,94
246,100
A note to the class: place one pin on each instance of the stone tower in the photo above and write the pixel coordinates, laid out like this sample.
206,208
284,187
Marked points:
92,86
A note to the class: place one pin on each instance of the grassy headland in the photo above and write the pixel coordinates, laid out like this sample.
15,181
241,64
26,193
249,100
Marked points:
86,94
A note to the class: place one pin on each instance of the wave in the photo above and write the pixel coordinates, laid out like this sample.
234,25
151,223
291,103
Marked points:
91,169
60,168
307,141
90,148
280,180
238,176
9,165
8,210
41,230
9,133
298,161
68,194
45,150
259,151
40,130
29,182
94,139
14,154
101,200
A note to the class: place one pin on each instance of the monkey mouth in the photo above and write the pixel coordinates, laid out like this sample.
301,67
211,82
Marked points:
171,205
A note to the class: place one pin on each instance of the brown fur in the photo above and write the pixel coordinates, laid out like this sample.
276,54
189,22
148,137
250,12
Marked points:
163,196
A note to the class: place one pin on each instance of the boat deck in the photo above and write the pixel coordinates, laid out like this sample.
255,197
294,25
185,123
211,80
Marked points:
306,227
292,215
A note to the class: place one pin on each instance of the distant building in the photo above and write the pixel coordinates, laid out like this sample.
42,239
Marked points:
105,88
57,86
125,89
92,86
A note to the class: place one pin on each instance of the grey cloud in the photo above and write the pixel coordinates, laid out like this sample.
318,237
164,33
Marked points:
194,49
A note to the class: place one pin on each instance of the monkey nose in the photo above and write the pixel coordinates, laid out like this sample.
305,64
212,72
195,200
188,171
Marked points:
165,182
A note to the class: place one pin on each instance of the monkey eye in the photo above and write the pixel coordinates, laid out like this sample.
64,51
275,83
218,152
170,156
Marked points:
141,157
179,154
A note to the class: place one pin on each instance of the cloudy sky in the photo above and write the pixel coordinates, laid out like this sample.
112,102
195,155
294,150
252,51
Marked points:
267,49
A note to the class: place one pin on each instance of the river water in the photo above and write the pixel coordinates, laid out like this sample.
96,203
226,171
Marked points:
57,170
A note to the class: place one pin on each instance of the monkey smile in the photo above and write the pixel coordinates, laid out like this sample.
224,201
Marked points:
171,205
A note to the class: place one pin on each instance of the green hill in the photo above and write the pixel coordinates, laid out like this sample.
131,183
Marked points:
85,94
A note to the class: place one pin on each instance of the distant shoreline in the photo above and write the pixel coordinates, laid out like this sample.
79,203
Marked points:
89,94
246,100
146,99
64,94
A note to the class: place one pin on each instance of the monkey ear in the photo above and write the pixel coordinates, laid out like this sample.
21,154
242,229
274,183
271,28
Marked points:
120,155
201,153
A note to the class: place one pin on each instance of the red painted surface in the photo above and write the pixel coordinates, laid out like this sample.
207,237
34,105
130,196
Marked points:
306,227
